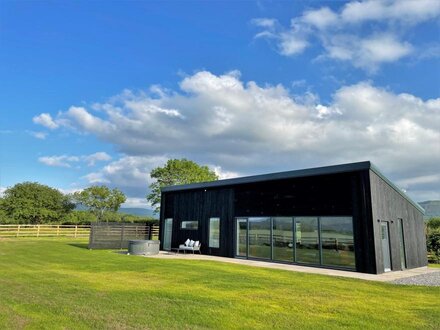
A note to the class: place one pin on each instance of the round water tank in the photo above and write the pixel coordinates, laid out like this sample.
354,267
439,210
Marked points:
143,247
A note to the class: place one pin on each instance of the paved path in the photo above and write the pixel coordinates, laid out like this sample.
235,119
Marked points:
386,277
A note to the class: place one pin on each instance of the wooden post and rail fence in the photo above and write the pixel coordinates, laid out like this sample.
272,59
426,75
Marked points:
75,231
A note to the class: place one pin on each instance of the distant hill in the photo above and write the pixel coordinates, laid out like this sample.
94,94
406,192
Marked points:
138,211
432,208
142,212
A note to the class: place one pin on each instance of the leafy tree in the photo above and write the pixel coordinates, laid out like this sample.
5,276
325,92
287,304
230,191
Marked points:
100,199
175,172
433,223
31,202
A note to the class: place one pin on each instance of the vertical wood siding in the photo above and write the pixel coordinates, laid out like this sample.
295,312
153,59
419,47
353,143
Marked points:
388,205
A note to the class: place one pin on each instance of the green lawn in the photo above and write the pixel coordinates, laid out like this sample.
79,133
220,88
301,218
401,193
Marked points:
58,284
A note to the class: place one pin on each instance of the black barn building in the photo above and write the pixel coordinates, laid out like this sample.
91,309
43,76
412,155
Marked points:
345,216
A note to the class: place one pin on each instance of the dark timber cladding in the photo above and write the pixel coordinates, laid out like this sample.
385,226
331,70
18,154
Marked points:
335,216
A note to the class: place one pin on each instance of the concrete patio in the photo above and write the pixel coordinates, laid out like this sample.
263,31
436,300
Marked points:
386,277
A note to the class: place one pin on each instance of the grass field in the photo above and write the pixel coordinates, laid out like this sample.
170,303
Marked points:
58,283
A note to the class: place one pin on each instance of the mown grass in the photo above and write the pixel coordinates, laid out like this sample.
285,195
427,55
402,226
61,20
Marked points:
48,283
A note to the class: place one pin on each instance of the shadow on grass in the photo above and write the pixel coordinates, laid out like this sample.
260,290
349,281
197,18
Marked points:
80,245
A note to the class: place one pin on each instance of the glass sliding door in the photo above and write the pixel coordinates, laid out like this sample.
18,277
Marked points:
282,239
307,240
241,237
326,241
167,233
259,244
337,243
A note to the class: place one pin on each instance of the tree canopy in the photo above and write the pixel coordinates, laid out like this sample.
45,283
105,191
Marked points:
100,199
176,172
34,203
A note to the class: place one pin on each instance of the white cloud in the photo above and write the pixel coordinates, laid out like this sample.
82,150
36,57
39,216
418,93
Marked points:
96,157
45,120
407,11
2,191
291,43
132,173
136,202
222,174
66,160
321,18
60,161
343,35
38,135
264,22
246,129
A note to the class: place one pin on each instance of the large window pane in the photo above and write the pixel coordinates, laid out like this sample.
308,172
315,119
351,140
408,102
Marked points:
282,239
259,238
241,232
307,240
214,232
337,241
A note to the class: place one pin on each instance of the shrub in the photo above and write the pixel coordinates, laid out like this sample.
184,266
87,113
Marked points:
433,244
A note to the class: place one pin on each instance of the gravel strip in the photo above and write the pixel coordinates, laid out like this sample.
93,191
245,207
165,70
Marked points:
430,279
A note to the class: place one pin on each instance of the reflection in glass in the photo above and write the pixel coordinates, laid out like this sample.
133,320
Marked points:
282,232
259,238
337,241
307,240
241,237
193,225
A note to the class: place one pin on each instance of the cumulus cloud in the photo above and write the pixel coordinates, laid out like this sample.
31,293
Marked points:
132,173
45,120
343,35
242,128
67,161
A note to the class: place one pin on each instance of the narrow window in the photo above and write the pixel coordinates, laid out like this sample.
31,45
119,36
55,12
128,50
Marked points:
401,244
214,232
191,225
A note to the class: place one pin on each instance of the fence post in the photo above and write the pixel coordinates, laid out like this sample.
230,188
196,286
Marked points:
76,230
122,235
91,236
18,230
58,230
38,230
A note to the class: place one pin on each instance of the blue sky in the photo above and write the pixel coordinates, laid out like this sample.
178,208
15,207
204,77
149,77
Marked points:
102,92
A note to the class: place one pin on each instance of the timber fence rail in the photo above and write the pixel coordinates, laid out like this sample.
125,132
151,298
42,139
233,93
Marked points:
75,231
